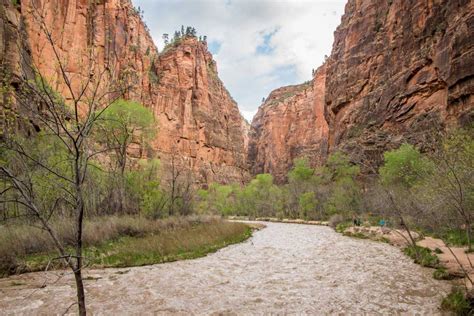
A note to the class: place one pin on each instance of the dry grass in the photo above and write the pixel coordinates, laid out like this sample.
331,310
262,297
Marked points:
135,240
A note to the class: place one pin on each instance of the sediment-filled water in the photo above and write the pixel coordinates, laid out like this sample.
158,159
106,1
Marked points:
284,268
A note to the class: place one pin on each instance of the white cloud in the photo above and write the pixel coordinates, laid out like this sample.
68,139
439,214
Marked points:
301,34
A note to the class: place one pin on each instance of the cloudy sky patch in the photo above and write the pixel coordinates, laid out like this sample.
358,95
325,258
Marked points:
259,45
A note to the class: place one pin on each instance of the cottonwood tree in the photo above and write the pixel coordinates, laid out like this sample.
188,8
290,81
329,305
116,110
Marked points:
453,178
64,121
404,170
119,126
340,176
301,181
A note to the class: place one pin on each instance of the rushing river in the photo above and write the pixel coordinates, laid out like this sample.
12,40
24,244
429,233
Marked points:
284,268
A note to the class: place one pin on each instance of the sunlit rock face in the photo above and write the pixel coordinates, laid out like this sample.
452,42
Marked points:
288,125
198,122
400,71
197,116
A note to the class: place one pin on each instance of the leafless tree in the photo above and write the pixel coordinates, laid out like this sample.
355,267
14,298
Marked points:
178,183
67,120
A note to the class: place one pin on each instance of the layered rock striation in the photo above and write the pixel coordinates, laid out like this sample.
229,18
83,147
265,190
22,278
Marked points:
198,122
400,71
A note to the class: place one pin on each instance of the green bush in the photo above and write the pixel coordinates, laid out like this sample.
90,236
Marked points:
422,256
341,227
457,303
442,274
455,237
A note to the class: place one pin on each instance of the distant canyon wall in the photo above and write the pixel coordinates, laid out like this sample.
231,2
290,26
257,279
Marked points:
400,71
291,123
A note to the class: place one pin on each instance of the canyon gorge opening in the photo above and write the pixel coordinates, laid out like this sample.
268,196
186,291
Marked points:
126,155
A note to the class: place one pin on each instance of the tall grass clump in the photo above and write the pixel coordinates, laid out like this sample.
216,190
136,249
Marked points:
18,241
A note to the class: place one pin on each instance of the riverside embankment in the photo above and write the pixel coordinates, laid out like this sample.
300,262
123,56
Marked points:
283,268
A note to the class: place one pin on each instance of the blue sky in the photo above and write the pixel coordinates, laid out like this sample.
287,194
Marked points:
259,45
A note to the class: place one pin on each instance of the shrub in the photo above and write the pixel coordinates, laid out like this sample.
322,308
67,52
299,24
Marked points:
20,240
442,274
335,220
422,256
457,303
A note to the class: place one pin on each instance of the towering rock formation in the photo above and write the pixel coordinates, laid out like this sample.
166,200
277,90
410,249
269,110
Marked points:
197,116
199,124
290,124
400,71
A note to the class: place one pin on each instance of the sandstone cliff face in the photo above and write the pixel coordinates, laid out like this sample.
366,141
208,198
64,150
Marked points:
196,115
14,59
399,72
199,124
290,124
12,46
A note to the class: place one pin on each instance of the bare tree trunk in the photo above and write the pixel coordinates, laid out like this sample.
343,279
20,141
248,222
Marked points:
403,223
81,297
79,181
123,163
468,234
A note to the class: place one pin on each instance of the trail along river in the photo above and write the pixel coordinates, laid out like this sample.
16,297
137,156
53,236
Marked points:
284,268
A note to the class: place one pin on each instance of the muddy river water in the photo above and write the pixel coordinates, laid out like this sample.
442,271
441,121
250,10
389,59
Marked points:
284,268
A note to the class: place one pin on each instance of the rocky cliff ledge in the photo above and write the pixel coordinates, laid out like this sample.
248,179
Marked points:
400,71
199,123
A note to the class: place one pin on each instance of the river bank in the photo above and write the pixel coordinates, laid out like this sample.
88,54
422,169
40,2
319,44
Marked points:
122,242
284,268
454,260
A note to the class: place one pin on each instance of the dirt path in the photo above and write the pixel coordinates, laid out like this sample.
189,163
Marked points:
284,268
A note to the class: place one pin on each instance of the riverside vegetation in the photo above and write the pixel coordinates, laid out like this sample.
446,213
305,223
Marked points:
99,206
74,193
74,189
431,193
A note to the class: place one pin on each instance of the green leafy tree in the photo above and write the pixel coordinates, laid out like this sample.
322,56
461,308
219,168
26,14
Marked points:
301,171
307,205
404,170
263,198
217,199
123,123
145,182
340,175
404,167
300,181
120,125
450,185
